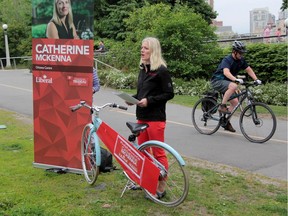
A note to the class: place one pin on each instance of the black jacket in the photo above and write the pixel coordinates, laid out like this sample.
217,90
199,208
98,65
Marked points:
157,87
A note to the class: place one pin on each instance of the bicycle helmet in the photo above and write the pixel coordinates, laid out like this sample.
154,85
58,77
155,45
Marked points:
238,46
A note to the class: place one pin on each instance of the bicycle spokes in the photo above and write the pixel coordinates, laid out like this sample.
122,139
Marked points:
257,122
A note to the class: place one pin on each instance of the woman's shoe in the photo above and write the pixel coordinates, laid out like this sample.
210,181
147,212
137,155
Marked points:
160,195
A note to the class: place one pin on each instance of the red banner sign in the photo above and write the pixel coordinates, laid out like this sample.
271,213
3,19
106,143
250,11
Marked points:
62,76
141,170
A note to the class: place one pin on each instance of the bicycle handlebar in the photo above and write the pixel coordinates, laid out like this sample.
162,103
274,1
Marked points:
119,106
96,108
247,84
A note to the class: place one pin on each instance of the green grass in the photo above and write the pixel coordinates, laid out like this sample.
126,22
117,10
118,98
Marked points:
214,189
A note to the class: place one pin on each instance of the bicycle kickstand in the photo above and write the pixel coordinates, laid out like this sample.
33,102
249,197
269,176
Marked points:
127,186
130,185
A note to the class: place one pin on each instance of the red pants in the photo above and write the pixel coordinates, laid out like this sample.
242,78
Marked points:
155,131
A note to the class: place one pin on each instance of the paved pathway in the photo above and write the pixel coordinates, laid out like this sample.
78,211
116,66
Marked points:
269,159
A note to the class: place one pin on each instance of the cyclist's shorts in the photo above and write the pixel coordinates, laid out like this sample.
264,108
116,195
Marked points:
220,85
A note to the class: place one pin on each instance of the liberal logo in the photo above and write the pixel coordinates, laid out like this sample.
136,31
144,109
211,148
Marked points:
44,79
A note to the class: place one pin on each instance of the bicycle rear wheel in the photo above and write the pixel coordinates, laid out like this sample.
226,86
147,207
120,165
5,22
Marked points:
205,116
88,155
257,122
177,182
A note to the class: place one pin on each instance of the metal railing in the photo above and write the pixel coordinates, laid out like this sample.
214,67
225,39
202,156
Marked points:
14,61
251,39
29,58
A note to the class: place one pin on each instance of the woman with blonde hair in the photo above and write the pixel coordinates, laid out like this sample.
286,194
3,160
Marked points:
61,25
154,89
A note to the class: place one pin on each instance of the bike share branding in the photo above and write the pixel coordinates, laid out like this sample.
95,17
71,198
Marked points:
140,169
129,156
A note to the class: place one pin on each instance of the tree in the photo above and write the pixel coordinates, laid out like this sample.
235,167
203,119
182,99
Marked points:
19,26
284,5
110,14
188,41
111,25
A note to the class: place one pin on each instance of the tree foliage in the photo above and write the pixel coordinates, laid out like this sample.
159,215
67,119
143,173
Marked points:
188,42
109,21
19,27
284,5
269,61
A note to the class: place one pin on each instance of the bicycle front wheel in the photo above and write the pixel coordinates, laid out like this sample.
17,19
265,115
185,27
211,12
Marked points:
257,122
88,155
205,116
177,182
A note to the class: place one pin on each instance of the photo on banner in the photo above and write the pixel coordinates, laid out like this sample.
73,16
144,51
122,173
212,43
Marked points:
62,66
80,17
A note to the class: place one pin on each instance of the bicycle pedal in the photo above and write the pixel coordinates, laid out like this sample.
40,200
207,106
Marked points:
223,121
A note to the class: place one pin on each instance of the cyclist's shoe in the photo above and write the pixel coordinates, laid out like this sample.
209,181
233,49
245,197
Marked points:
223,109
229,127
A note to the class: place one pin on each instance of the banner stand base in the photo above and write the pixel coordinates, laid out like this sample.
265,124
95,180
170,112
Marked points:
3,127
66,169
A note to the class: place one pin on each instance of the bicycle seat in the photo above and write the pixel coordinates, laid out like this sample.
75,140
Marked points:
136,127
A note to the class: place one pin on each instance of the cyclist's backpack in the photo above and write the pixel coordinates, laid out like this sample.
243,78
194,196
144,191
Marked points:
208,105
106,161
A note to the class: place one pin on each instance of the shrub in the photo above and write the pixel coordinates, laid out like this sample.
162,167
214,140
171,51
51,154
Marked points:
273,93
118,80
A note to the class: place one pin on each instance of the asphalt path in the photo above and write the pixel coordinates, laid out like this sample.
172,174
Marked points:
268,159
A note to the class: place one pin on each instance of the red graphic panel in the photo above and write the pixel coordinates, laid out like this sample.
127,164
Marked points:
57,132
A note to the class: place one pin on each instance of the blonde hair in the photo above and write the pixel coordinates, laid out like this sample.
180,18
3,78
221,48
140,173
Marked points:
156,59
56,17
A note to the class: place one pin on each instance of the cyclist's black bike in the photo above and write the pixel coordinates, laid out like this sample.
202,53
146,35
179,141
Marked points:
257,120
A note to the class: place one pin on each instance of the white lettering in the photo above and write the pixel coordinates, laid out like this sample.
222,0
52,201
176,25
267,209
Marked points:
43,80
53,58
62,49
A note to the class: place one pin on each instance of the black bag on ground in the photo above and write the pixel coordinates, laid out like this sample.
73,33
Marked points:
106,161
208,105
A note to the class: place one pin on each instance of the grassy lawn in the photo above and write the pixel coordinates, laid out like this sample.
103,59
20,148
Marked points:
214,189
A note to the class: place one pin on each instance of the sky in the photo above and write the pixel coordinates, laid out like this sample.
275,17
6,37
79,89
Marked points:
236,13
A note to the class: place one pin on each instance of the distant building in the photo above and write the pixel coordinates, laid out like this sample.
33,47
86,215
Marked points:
223,31
220,30
260,18
280,23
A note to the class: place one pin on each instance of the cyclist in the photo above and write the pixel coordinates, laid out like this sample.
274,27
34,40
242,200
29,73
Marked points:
224,78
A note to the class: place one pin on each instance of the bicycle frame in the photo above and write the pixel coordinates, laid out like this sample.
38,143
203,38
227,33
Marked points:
241,97
253,114
138,167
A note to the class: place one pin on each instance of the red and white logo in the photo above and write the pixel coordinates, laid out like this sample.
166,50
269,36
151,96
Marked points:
44,79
